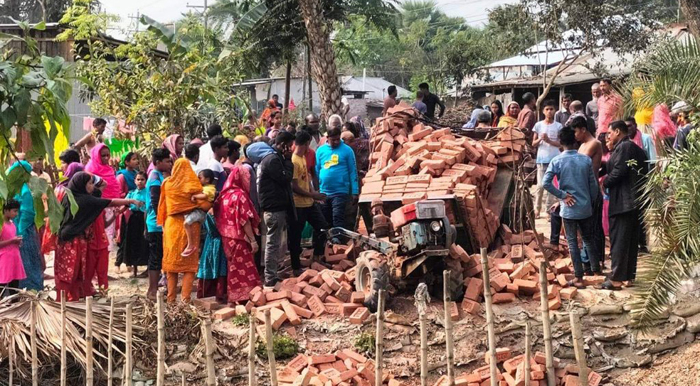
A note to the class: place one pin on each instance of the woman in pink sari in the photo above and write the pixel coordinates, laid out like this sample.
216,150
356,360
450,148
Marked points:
238,223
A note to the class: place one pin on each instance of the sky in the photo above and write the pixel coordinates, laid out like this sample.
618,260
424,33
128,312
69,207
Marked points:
474,11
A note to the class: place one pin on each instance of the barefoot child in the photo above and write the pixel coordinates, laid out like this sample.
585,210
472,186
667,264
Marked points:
11,268
135,245
207,178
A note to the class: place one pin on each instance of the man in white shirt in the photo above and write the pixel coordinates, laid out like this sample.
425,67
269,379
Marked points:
205,151
219,146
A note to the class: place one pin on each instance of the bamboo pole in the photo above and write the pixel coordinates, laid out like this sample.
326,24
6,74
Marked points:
129,332
528,353
35,361
110,336
89,371
64,365
449,340
546,325
489,318
580,352
183,380
379,339
160,372
423,349
252,379
11,359
209,353
270,350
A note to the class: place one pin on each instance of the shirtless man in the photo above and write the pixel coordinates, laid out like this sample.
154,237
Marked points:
93,137
591,147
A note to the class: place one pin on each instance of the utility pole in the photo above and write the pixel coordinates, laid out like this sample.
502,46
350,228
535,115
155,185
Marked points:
137,20
205,16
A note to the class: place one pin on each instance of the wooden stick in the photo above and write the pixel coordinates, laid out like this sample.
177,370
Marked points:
160,372
89,372
183,380
528,353
129,332
546,326
64,365
489,317
35,361
11,359
110,336
379,339
270,350
580,352
252,379
449,340
423,349
209,353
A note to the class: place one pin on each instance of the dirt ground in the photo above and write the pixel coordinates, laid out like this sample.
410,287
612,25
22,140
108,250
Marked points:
622,357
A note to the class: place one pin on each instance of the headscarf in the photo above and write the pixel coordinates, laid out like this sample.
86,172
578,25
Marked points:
129,175
472,120
177,190
234,208
170,143
661,122
25,218
89,208
242,139
507,120
71,170
197,142
104,171
265,116
360,125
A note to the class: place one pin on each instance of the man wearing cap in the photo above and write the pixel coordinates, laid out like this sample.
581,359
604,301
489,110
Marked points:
684,125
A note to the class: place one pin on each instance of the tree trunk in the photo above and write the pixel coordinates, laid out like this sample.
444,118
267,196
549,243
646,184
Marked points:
322,57
691,15
287,85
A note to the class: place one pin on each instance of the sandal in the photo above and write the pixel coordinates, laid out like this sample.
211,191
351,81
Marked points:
576,284
608,285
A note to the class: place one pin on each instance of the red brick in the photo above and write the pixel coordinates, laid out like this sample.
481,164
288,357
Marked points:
333,299
298,299
540,358
316,305
209,304
258,299
594,378
499,281
511,365
471,306
287,375
348,308
316,281
298,363
536,375
224,313
319,359
526,286
454,311
271,296
277,317
343,294
474,289
339,365
568,293
502,355
344,376
503,297
333,308
354,356
311,291
292,315
554,304
357,297
417,135
512,288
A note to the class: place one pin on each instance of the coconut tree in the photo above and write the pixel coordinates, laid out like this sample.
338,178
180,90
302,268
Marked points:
672,193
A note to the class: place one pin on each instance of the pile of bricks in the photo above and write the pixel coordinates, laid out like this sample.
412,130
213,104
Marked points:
314,293
511,372
344,368
514,271
411,162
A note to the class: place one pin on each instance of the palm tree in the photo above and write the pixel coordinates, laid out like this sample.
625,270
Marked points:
672,194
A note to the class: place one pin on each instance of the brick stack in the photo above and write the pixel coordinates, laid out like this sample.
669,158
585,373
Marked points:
344,368
511,372
514,272
412,162
314,293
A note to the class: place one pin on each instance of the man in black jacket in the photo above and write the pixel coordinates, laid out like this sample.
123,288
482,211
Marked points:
627,169
276,202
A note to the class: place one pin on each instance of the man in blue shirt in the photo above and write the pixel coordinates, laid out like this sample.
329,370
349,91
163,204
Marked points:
577,192
337,177
162,164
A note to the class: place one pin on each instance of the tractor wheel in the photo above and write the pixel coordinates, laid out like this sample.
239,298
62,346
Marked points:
434,280
371,276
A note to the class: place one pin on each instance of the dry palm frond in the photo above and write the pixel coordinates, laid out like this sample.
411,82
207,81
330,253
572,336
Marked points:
15,319
672,201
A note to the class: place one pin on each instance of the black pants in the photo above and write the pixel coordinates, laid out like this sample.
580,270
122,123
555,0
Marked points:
554,226
624,245
642,231
9,289
598,234
155,251
313,216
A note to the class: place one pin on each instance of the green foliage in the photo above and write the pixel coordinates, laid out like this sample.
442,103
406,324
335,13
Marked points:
428,46
241,320
283,346
365,343
81,22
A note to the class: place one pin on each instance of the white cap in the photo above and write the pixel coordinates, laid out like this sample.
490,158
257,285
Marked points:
679,107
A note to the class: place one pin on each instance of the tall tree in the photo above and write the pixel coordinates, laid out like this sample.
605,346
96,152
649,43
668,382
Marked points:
691,13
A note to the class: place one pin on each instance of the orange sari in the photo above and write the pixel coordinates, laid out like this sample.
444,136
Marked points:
175,202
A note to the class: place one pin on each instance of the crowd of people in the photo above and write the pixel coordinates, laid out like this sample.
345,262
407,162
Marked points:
224,211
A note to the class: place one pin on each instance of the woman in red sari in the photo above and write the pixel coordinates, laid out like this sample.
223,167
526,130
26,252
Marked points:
70,263
238,222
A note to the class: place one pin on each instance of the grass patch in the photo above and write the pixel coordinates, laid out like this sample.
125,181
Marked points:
241,320
283,346
365,343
